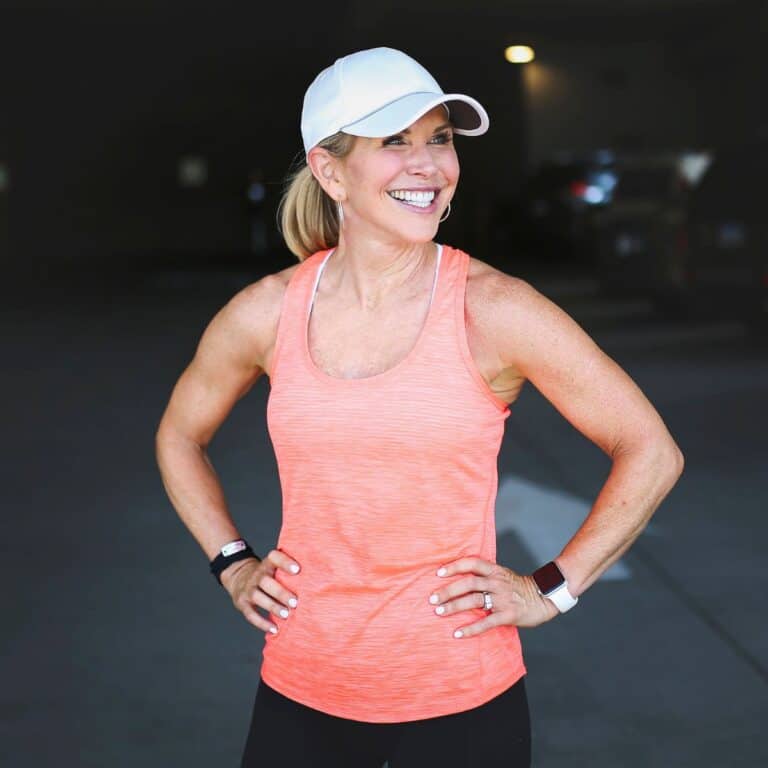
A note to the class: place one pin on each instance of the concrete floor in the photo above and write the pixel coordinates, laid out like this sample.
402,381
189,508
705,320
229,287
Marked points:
118,649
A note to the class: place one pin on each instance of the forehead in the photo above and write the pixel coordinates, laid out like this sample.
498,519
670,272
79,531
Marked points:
437,116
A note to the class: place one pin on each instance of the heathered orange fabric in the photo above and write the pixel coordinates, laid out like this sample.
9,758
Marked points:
384,479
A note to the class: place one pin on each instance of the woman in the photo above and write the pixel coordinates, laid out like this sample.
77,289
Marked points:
391,631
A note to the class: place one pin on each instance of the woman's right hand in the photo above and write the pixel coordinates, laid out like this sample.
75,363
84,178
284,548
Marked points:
251,584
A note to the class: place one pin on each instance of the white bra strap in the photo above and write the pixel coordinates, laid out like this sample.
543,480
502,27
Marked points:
437,272
317,278
327,256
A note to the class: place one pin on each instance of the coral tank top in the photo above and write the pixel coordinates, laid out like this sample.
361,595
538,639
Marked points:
384,479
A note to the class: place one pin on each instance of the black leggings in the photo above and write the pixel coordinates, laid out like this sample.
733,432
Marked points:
286,733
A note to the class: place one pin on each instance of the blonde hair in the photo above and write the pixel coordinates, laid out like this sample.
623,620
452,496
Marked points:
308,217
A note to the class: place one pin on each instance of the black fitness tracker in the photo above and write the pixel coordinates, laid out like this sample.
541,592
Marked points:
231,552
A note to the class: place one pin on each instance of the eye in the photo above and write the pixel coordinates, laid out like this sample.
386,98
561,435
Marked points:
443,138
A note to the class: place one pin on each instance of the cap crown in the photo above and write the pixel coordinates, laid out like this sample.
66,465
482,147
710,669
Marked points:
357,85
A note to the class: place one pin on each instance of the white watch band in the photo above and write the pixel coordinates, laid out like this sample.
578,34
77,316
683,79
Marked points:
562,598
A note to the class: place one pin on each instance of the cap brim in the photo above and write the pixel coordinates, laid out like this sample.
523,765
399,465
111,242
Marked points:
467,115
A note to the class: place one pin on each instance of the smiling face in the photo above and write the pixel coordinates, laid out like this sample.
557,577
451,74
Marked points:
396,188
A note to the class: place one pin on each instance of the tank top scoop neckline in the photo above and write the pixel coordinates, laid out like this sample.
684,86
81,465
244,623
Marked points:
393,369
447,298
383,479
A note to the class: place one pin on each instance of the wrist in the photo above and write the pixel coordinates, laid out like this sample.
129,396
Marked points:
552,586
573,570
232,552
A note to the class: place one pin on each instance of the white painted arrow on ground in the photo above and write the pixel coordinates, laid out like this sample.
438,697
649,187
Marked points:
544,519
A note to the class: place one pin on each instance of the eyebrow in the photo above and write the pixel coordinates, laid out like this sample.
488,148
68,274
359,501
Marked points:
439,128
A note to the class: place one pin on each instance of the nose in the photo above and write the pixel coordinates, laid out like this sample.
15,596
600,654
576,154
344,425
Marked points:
420,160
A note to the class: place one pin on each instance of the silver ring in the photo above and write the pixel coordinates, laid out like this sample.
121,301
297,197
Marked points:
487,601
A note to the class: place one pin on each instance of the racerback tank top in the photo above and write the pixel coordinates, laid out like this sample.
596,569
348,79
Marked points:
384,479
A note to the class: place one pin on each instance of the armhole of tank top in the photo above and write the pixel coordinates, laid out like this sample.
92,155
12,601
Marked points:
281,330
461,333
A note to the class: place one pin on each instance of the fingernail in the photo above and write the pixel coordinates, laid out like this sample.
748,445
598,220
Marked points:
440,610
273,630
458,633
294,568
293,602
441,572
284,613
434,599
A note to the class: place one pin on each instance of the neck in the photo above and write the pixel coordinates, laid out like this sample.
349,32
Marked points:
368,273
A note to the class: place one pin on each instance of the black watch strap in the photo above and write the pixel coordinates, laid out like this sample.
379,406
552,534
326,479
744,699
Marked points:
222,561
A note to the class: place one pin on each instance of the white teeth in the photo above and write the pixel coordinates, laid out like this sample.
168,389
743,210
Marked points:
418,199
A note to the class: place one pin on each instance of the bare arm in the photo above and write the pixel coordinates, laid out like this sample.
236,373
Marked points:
224,368
544,345
598,398
531,338
229,360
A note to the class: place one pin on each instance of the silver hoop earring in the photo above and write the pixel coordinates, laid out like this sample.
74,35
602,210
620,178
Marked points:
340,212
447,212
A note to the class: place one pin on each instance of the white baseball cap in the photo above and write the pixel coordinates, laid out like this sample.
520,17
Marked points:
380,92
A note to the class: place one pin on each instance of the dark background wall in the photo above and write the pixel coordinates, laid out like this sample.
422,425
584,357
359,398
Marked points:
101,100
665,79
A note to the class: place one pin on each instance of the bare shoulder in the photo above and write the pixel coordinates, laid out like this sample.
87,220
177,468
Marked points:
502,310
261,301
249,319
487,285
529,332
532,338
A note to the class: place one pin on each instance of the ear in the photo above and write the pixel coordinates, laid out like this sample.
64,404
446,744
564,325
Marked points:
325,168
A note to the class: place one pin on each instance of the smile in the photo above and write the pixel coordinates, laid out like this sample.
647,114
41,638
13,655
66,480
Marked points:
422,199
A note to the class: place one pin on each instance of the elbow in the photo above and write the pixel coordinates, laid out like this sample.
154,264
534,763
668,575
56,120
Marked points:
165,440
680,461
161,442
661,456
670,463
168,439
674,458
162,436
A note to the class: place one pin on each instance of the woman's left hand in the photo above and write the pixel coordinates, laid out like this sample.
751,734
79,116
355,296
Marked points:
516,599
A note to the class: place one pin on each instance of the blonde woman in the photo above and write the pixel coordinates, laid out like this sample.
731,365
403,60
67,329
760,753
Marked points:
391,630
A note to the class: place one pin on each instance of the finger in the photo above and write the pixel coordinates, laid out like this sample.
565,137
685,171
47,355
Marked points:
278,592
465,603
252,616
258,598
470,630
467,565
458,588
281,560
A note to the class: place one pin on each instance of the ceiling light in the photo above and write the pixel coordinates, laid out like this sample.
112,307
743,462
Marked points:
518,54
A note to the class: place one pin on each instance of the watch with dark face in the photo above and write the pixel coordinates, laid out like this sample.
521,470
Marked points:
552,585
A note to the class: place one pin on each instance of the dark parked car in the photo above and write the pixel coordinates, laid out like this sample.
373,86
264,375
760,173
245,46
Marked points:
552,219
643,230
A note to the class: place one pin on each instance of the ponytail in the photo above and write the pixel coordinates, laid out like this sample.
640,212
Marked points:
309,219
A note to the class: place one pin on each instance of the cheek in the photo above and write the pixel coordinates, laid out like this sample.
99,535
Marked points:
450,167
373,178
